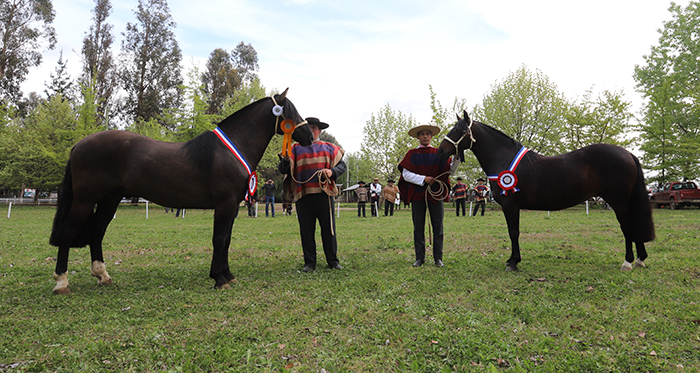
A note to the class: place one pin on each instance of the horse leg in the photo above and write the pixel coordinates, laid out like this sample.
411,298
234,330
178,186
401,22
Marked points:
629,255
69,230
513,222
641,255
103,216
223,224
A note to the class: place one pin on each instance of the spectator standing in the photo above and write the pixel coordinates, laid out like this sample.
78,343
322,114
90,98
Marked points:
269,188
460,193
481,192
314,170
389,194
375,189
362,193
421,171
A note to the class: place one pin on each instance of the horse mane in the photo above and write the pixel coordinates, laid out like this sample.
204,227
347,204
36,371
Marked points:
517,144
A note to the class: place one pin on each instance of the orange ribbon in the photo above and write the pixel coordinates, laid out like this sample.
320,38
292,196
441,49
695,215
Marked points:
287,127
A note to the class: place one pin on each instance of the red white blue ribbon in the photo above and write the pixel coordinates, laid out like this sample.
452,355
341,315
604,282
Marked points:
252,176
507,179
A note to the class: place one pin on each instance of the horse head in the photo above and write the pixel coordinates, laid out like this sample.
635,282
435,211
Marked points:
458,139
302,133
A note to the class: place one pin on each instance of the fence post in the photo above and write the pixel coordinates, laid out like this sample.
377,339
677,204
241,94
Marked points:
586,207
146,209
9,210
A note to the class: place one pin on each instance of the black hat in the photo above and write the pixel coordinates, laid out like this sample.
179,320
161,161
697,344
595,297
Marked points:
316,122
480,179
459,178
360,182
390,181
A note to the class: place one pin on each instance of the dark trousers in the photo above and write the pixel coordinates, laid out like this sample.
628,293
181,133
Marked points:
375,203
436,211
463,203
388,208
310,208
478,204
361,207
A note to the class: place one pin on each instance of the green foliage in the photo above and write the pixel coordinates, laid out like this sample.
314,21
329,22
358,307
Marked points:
568,309
386,142
603,120
670,130
25,30
527,106
191,118
38,148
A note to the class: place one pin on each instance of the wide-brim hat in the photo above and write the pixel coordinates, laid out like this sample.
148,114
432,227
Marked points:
390,181
360,182
481,179
316,122
413,132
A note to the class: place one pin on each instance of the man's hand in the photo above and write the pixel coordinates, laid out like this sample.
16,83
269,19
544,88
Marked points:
328,172
429,180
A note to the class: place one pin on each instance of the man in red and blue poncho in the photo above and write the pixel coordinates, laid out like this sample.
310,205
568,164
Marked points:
311,173
421,170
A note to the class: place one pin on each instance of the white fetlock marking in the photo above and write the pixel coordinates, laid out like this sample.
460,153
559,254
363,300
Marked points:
626,266
98,270
61,283
639,263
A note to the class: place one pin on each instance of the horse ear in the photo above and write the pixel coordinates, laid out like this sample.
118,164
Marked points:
284,95
466,116
458,118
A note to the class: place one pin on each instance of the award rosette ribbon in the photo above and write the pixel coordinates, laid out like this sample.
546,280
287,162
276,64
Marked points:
287,127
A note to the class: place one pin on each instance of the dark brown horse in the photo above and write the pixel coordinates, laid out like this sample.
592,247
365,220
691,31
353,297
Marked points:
203,173
522,179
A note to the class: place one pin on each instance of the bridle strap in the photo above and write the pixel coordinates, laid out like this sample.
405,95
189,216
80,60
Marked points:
471,137
277,121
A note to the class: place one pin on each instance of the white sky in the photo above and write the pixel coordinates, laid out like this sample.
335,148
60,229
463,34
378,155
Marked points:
344,60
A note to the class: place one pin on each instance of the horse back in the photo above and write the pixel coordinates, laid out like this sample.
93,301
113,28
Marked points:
562,181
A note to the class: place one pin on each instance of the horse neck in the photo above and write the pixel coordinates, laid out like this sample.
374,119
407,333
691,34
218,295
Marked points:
251,132
493,149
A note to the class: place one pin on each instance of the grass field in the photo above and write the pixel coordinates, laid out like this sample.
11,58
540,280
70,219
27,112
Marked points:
568,309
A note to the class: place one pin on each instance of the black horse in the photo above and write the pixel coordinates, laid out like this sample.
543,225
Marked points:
203,173
522,179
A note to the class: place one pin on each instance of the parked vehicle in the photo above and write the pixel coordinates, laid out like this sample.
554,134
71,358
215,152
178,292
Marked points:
676,195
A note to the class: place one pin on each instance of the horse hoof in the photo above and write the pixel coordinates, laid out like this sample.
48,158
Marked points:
102,282
232,281
626,266
639,264
511,269
61,291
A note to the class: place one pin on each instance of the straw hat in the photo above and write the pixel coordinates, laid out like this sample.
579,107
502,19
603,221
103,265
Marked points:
413,132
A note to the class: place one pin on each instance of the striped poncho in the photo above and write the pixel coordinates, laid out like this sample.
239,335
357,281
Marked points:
423,161
306,160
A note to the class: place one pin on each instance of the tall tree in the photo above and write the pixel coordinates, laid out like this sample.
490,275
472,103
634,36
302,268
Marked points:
245,60
527,106
670,83
25,26
220,80
151,72
61,83
99,69
386,141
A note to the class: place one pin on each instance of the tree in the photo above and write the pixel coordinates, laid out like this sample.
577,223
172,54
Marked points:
191,118
669,82
39,147
386,142
220,80
245,60
603,120
151,73
61,83
99,69
25,25
527,106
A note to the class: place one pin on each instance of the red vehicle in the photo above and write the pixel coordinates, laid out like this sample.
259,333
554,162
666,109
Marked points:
676,194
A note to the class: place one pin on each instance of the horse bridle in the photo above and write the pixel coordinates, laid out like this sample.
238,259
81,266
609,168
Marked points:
278,111
464,134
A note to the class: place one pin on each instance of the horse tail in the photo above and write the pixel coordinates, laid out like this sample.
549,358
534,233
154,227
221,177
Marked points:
65,201
640,209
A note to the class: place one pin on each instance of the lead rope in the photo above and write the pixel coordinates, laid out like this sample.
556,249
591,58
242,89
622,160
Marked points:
442,187
325,181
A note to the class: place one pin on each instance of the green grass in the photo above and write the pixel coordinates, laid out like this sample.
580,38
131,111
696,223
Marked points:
568,309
